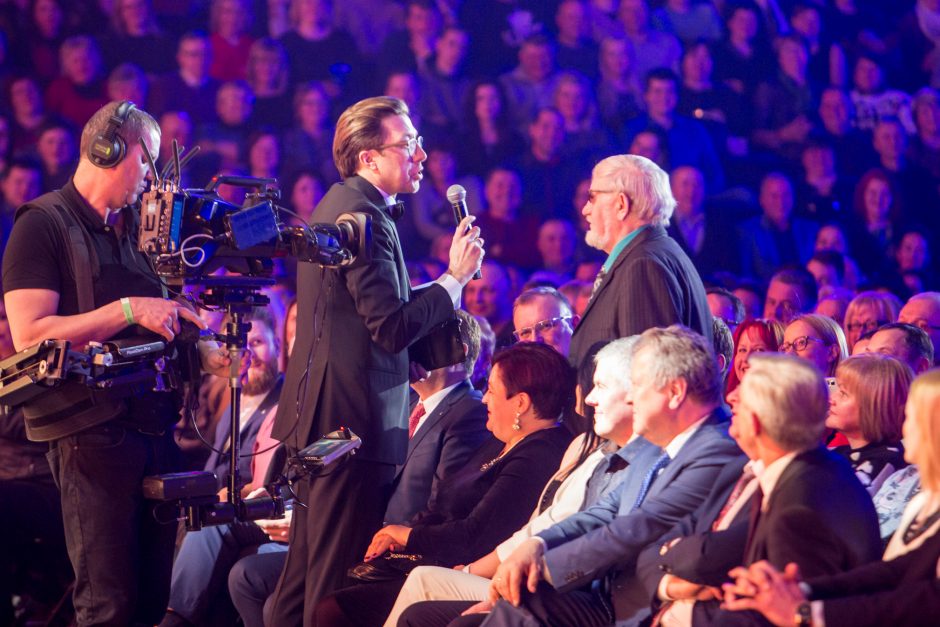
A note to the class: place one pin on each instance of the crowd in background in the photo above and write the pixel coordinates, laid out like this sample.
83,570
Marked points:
802,140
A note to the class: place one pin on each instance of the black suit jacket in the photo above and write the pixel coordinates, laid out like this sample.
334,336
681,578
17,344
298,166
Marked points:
349,366
903,591
651,284
446,440
818,516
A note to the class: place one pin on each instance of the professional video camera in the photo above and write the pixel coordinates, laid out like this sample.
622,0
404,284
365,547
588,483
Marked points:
190,233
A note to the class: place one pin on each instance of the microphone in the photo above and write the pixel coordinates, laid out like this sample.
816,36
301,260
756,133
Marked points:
457,197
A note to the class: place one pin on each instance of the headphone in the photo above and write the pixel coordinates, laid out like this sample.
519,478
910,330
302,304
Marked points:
108,148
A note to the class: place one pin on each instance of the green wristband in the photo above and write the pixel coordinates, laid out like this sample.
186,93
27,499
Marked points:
128,312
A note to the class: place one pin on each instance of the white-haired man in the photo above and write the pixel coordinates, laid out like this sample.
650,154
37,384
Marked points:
646,281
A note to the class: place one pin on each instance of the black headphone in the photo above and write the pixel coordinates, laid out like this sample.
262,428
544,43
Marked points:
108,148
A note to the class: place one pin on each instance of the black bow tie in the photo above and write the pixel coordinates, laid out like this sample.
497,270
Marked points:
396,211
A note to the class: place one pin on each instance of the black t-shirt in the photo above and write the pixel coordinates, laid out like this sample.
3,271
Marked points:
38,257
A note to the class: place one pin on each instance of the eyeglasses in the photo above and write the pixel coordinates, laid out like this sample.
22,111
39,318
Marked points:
592,193
526,334
865,327
799,344
410,145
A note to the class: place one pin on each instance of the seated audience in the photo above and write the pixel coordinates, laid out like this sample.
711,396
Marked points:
618,456
543,314
490,297
725,306
923,311
903,589
531,390
806,507
867,407
548,578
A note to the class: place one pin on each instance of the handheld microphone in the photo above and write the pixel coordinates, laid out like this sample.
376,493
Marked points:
457,197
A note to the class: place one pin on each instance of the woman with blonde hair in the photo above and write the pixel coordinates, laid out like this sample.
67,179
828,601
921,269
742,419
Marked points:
867,407
816,339
867,312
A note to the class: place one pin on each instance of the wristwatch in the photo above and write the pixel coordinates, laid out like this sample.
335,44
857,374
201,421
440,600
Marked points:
804,615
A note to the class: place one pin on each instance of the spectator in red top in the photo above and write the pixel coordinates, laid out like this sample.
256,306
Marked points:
229,39
80,91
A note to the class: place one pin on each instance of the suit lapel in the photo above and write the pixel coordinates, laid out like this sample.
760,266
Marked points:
643,237
434,417
375,197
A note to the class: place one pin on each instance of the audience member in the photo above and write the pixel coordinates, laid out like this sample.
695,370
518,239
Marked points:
867,312
542,314
792,291
818,340
490,297
267,73
646,281
528,87
867,407
904,342
923,311
697,228
725,306
488,137
511,235
189,88
653,48
229,40
776,237
752,336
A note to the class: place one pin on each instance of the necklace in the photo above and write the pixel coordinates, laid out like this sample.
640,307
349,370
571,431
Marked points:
487,465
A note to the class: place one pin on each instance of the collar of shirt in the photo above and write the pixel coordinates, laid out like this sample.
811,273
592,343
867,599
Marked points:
612,257
771,474
431,402
388,198
672,449
89,216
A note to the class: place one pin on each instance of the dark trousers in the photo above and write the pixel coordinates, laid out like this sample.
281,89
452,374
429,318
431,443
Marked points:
253,579
343,511
120,554
440,614
199,591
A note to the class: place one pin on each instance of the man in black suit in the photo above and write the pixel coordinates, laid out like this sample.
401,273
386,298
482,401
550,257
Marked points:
447,424
646,281
806,506
350,364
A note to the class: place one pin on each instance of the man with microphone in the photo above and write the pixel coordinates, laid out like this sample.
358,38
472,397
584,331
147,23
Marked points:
350,364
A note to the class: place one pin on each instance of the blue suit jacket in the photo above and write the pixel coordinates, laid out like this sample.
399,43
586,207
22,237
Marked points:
446,440
606,538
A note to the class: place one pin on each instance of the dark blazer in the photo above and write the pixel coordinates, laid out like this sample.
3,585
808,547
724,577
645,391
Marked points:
651,284
477,509
219,464
446,440
716,255
606,538
349,366
903,591
760,256
818,516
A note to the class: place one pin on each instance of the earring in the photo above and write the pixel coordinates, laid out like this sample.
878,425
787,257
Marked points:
517,424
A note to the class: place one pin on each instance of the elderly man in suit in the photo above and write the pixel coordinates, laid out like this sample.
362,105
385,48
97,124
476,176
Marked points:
676,399
350,366
799,502
646,280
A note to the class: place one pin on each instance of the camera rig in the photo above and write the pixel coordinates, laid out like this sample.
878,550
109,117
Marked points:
189,234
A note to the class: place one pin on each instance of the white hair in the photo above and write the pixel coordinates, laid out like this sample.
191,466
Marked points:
644,183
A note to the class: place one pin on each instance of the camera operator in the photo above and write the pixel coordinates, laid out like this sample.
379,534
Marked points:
71,271
350,366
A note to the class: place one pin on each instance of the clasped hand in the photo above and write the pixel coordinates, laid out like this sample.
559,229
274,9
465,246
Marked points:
764,589
523,565
389,538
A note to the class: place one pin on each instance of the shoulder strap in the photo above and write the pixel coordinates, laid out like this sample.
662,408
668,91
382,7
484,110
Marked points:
83,261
